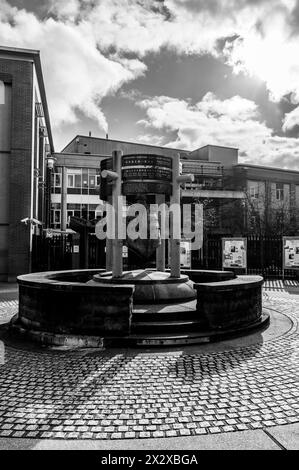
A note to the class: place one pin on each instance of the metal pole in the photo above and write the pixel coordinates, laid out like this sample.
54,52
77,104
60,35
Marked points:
117,243
63,198
175,243
109,246
160,251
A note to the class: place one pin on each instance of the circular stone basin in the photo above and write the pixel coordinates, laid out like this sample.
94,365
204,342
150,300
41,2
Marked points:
150,286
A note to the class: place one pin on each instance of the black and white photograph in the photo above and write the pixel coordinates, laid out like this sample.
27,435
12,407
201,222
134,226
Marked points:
149,228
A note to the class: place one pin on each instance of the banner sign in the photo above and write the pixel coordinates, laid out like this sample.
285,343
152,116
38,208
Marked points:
234,253
290,252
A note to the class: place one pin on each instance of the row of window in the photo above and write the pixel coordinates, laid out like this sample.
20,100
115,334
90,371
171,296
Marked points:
86,211
254,192
88,178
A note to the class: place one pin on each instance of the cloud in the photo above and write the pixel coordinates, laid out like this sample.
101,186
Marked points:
90,48
233,122
291,120
256,36
150,139
76,73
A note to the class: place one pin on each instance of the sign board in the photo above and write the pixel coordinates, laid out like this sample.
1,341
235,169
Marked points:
185,250
125,252
49,233
185,254
76,249
290,252
234,253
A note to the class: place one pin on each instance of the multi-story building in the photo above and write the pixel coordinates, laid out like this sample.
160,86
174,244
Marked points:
76,179
234,194
25,139
272,197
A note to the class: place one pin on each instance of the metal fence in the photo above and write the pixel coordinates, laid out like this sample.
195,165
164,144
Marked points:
51,253
264,255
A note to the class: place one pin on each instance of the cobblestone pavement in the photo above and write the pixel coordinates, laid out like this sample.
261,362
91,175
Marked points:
136,394
7,310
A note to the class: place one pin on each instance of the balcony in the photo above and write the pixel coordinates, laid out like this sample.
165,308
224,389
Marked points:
200,168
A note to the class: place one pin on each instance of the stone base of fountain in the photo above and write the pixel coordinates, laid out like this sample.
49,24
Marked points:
140,308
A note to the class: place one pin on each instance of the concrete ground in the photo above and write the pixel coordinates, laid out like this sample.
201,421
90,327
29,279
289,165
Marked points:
237,394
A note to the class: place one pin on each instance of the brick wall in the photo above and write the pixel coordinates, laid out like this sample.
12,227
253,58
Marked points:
21,73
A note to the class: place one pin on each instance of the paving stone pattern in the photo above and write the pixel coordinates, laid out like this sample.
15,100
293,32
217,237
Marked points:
136,394
7,310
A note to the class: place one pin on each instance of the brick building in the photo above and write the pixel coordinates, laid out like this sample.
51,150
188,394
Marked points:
25,138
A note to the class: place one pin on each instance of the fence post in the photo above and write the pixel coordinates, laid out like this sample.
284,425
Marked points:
76,251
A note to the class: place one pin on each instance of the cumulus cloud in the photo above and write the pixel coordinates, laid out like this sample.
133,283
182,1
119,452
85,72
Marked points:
291,120
264,41
90,48
233,122
76,73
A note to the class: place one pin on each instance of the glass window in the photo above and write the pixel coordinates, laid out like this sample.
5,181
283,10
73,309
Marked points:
56,216
77,181
70,181
279,191
57,180
84,209
73,207
253,191
85,178
69,215
92,181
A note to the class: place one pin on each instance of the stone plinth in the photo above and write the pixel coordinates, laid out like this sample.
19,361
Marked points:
230,303
47,303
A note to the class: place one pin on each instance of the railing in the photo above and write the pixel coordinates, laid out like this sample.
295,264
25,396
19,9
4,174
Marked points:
53,253
201,168
264,255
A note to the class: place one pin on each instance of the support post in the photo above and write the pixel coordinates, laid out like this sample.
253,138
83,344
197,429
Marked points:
160,251
109,246
175,243
63,198
117,243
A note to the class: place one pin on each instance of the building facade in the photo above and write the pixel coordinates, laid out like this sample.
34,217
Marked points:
238,198
25,139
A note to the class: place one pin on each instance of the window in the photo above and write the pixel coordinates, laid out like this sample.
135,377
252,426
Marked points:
70,181
57,217
85,178
78,180
57,180
279,191
254,192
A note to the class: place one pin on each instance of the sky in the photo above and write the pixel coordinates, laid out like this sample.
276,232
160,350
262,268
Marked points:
177,73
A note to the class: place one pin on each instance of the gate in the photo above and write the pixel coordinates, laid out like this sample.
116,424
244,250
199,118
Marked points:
52,253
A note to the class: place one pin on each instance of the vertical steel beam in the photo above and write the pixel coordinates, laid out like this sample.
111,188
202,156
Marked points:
117,243
175,243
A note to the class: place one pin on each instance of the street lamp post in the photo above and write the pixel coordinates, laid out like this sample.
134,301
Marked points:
50,162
